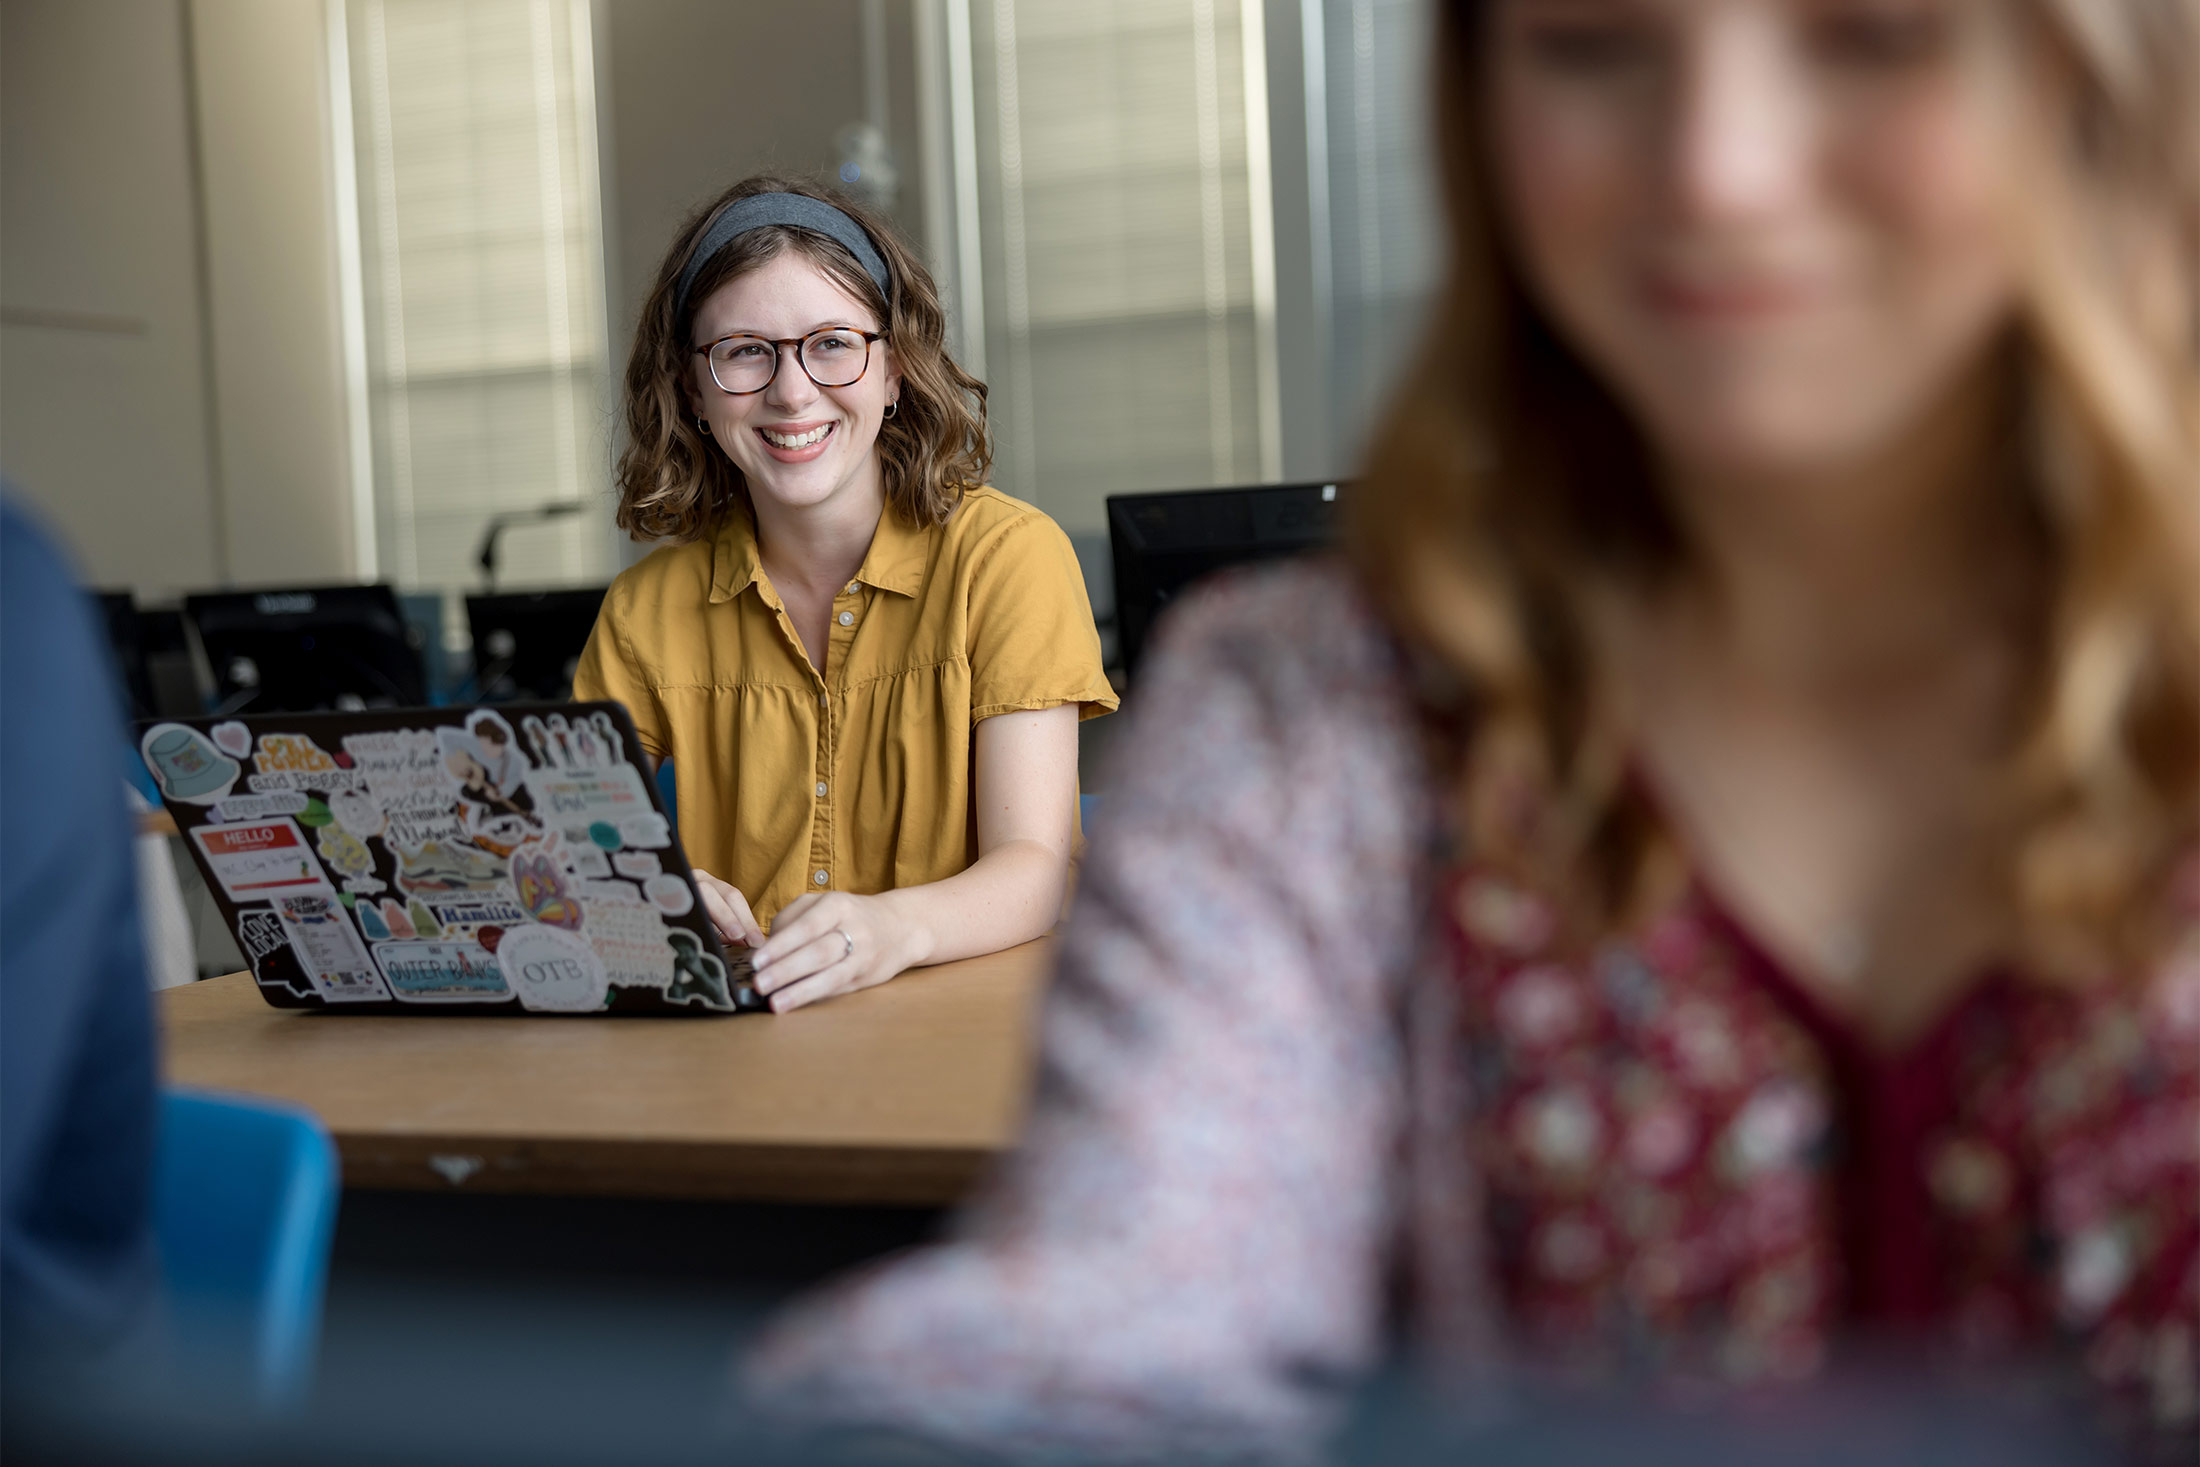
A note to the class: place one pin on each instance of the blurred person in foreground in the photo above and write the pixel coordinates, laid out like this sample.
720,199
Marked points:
1710,886
79,1273
866,665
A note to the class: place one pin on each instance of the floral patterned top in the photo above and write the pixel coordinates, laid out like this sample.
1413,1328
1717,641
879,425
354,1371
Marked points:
1305,1088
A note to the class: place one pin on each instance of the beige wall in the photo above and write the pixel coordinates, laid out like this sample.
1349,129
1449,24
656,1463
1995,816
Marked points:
171,387
699,93
103,413
276,325
172,390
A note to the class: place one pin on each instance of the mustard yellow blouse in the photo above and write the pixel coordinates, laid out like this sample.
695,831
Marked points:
858,779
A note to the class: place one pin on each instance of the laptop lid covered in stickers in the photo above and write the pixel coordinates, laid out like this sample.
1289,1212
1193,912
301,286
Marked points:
513,858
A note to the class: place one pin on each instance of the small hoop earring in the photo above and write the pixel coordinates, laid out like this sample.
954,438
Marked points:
891,408
702,426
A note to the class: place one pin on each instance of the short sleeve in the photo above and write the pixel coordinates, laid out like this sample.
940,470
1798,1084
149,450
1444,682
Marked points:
608,671
1032,640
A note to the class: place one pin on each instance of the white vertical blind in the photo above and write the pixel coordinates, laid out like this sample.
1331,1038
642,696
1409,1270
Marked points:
1122,300
1385,241
480,257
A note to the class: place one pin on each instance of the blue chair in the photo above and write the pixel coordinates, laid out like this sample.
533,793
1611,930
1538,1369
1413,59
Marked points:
245,1196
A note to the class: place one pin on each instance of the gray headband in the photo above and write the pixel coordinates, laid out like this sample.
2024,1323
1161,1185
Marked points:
797,211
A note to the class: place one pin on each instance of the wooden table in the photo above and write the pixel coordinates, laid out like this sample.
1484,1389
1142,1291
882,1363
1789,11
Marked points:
900,1094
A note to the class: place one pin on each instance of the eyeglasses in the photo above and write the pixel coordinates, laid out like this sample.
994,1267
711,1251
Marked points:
835,357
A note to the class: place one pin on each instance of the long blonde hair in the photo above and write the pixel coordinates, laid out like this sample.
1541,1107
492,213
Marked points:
1506,479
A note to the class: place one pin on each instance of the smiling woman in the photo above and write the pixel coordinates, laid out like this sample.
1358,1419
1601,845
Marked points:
866,666
1709,895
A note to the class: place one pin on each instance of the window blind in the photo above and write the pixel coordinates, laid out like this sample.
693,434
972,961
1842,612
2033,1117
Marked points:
1118,246
480,262
1385,239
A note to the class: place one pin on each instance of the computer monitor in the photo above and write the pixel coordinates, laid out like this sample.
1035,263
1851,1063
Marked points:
126,638
527,643
306,649
1161,543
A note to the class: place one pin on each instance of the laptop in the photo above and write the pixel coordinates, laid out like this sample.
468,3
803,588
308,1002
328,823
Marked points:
512,858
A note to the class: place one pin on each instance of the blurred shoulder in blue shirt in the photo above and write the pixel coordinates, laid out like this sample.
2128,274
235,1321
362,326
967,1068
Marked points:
78,1265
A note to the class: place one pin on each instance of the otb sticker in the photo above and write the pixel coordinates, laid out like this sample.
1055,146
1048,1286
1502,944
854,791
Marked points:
328,949
553,970
186,764
636,865
258,860
441,972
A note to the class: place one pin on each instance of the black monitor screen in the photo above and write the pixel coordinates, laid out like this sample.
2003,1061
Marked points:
126,636
527,643
1161,543
298,651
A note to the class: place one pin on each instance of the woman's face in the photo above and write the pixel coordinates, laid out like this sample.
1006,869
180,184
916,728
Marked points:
1781,229
797,444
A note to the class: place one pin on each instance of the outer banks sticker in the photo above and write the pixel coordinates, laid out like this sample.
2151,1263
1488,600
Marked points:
637,865
260,859
186,764
441,972
328,949
553,970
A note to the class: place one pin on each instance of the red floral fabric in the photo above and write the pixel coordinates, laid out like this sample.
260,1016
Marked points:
1263,1153
1694,1170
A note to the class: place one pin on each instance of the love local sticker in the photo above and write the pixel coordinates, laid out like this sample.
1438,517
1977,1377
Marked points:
553,970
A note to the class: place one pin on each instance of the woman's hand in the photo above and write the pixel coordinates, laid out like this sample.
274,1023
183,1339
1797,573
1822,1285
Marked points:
831,942
728,910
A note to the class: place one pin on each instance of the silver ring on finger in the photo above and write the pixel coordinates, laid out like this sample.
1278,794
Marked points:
850,950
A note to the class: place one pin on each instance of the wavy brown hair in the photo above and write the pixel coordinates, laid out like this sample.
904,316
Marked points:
676,484
1507,483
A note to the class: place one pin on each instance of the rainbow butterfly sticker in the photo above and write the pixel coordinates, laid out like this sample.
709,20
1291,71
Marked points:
540,884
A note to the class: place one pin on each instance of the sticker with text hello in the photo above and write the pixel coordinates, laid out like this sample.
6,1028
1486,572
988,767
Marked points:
259,860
